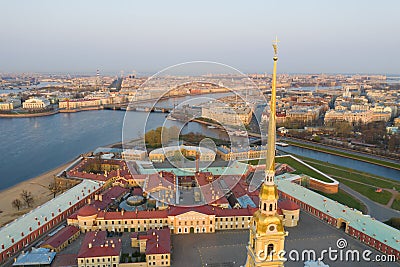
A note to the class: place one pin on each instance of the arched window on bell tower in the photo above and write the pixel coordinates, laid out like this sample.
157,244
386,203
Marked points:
270,248
270,207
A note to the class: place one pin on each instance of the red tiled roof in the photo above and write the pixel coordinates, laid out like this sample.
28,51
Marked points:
177,210
287,204
174,211
279,211
96,244
64,260
61,237
219,212
159,242
78,170
87,211
156,180
137,191
113,193
148,214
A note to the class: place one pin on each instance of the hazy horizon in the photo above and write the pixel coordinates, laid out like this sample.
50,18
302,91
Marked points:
82,36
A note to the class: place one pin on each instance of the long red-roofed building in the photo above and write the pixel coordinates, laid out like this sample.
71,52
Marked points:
62,238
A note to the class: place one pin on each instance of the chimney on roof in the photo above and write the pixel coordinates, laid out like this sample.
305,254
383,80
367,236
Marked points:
90,245
122,212
113,245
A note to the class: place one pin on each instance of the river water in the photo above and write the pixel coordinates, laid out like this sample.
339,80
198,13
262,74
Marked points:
345,162
32,146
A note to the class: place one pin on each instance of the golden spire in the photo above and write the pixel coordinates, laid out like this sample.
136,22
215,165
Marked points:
267,234
270,160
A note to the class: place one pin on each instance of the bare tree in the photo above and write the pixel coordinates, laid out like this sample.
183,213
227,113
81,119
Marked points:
55,188
16,203
27,198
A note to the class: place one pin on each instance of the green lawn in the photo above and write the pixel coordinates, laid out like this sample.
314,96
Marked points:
343,175
346,154
345,199
302,169
368,191
396,204
354,175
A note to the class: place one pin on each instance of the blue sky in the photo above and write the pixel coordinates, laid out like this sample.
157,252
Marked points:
147,36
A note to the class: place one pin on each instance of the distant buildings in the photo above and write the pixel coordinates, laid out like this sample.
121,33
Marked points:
225,114
36,103
79,103
228,154
133,154
356,116
161,154
10,103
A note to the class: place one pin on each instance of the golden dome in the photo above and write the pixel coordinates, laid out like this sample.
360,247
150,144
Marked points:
267,223
268,192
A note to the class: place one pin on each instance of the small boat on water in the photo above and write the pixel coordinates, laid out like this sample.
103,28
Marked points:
211,127
281,144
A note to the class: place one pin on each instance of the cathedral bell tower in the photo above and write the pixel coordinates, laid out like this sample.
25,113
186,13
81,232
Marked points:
267,236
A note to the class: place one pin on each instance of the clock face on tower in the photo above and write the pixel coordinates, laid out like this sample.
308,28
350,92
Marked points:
271,227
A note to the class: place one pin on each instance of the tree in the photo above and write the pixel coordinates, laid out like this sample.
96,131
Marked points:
393,143
27,198
16,203
54,188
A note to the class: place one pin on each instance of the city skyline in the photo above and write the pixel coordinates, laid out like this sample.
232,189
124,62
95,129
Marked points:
147,37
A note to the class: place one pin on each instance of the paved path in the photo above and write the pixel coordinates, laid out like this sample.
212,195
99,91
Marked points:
378,211
395,194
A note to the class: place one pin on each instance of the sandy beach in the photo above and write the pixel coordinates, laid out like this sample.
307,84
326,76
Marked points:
37,186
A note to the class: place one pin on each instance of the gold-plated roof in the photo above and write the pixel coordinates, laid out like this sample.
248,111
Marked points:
268,192
263,222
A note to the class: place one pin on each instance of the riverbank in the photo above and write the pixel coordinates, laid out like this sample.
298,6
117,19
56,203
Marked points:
37,186
346,155
28,115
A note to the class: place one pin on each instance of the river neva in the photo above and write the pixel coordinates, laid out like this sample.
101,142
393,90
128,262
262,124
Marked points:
32,146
